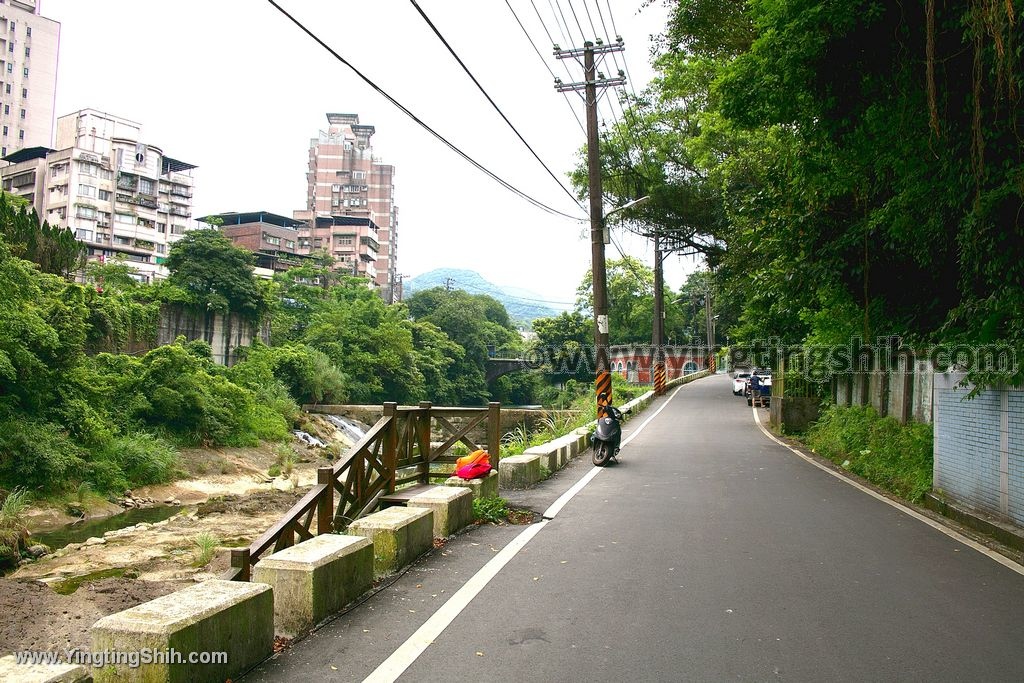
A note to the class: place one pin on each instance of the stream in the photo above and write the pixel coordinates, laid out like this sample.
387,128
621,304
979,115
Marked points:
77,532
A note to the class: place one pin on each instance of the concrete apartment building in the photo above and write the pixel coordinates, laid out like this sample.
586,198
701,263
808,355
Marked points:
274,239
350,209
121,196
29,44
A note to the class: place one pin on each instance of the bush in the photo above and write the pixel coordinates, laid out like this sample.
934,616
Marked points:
133,460
38,455
893,456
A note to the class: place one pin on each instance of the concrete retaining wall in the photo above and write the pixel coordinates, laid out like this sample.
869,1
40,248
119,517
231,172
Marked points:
979,447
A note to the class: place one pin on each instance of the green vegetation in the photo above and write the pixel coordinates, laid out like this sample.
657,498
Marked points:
820,177
206,547
895,457
493,510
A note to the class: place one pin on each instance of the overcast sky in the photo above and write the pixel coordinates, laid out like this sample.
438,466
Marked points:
235,88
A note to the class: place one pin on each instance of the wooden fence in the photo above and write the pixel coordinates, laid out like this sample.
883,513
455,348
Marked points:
397,451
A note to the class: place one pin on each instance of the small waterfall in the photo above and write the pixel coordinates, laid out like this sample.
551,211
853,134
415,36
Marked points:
350,429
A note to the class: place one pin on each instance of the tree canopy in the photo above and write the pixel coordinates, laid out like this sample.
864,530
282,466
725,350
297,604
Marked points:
849,169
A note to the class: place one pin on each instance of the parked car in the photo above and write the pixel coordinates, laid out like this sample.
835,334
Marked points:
739,383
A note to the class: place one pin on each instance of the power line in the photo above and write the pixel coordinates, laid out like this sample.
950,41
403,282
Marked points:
568,39
491,100
578,24
504,183
545,62
520,298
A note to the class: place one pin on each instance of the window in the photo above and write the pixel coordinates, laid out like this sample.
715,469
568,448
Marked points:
10,47
28,31
10,70
24,72
3,151
28,51
104,195
5,130
85,212
24,92
177,229
270,239
83,234
124,218
161,248
106,174
121,240
290,244
22,113
13,25
21,135
161,227
104,218
359,175
7,110
146,186
8,89
58,170
86,191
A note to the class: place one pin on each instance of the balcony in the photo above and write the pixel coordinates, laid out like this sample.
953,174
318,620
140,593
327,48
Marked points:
178,211
139,200
180,191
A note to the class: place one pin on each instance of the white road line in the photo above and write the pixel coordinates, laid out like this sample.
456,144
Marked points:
955,535
557,506
402,658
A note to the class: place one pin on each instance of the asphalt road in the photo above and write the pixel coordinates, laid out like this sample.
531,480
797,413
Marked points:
709,553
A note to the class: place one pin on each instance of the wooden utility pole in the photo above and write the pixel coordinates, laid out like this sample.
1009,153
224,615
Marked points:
592,80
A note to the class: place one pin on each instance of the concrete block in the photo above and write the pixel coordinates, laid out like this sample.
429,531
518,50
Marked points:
231,617
12,672
452,507
548,454
519,471
485,487
315,579
399,535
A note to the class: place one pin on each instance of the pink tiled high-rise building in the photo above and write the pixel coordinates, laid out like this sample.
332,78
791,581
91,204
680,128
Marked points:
350,207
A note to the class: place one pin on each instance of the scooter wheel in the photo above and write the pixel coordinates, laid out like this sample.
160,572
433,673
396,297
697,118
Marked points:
602,452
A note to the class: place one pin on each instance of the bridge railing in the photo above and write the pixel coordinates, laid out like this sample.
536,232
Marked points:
397,451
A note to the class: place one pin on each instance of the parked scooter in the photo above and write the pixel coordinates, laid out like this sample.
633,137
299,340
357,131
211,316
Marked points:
608,434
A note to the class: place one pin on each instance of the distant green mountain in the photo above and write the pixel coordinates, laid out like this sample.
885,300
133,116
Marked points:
522,305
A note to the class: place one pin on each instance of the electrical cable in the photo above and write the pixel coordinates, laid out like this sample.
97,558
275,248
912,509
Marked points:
544,62
504,183
494,104
578,24
520,298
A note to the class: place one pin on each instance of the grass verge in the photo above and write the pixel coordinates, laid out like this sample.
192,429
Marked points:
893,456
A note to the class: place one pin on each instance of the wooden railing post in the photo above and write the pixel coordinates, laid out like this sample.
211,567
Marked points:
240,561
391,444
424,423
494,432
325,503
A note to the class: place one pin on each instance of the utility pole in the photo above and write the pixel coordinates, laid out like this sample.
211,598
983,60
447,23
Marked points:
592,80
658,333
710,328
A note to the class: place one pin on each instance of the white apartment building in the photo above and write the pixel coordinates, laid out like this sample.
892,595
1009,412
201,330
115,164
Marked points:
29,45
121,196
